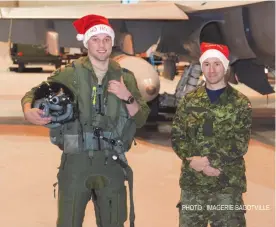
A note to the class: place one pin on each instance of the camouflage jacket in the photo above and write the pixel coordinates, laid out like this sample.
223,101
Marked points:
220,131
65,76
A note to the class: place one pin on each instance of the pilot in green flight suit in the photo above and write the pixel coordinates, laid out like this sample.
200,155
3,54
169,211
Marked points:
110,108
210,134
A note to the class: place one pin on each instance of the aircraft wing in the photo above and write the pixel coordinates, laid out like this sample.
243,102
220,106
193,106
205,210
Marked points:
194,6
30,24
167,10
149,11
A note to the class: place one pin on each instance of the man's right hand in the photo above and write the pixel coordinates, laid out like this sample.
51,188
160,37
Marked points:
35,116
198,163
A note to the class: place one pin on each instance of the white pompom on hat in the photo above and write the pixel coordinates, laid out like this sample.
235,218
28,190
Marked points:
80,37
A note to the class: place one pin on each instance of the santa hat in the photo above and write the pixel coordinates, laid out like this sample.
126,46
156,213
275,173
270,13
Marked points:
211,50
91,25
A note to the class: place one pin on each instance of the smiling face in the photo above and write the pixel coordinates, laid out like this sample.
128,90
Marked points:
100,47
214,72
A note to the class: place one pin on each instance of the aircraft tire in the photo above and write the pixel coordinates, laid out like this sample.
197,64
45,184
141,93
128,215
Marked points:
169,69
21,67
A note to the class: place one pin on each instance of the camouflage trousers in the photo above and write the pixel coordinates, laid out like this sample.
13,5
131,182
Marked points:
219,210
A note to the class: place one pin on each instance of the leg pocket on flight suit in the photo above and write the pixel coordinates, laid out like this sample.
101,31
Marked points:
61,178
56,136
118,206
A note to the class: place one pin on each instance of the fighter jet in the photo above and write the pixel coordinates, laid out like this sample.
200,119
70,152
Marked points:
247,27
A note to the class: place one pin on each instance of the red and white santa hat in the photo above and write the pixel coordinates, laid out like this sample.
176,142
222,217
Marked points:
91,25
211,50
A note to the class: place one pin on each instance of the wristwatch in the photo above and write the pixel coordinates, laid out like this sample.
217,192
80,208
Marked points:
130,100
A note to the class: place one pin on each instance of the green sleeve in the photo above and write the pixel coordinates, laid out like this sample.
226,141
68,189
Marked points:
236,145
141,116
28,97
60,75
180,141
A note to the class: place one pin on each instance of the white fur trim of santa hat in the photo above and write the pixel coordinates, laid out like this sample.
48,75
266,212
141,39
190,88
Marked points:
212,53
98,29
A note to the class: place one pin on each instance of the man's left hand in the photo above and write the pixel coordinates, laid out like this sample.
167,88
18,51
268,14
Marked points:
210,171
119,89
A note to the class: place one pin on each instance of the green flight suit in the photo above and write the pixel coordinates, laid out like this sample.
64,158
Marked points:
85,175
220,131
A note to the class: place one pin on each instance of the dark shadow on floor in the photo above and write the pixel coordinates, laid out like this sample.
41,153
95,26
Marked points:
159,133
31,70
263,130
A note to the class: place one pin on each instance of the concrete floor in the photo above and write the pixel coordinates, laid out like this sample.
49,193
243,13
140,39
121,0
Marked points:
28,167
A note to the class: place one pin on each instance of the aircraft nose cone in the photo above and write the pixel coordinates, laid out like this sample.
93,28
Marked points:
151,89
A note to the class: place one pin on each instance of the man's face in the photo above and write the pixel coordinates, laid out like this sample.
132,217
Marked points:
213,71
100,47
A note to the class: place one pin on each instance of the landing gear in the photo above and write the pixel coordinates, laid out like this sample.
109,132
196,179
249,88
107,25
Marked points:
169,69
153,115
187,83
21,67
154,107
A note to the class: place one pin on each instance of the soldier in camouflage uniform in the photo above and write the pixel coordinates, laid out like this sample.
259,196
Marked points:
210,134
109,109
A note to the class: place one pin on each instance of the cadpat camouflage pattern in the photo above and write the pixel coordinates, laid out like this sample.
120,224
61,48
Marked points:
220,131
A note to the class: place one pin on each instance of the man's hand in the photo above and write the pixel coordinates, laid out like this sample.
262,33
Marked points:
35,116
119,89
198,163
210,171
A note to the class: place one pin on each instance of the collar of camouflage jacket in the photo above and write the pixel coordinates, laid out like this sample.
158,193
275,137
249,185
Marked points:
223,98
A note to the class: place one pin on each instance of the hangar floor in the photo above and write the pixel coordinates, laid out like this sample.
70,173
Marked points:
28,168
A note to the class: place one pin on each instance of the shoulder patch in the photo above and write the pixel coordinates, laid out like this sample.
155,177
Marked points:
54,73
193,92
66,69
126,70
